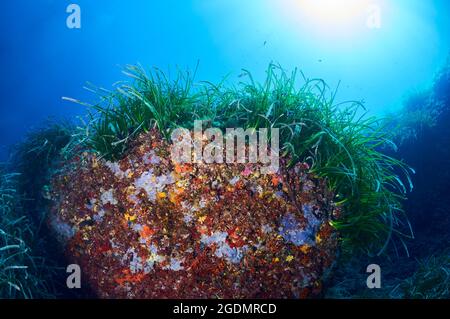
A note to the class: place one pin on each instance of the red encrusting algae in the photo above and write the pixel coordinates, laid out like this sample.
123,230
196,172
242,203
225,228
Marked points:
146,228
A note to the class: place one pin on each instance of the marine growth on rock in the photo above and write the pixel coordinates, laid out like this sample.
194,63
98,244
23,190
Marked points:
146,227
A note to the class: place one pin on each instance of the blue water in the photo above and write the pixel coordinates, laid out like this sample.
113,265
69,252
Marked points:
42,60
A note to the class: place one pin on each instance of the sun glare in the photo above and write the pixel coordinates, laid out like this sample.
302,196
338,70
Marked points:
333,11
330,17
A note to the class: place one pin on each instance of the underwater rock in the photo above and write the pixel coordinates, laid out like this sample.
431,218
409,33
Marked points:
144,227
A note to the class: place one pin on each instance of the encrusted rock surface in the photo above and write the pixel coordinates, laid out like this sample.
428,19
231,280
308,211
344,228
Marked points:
146,228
